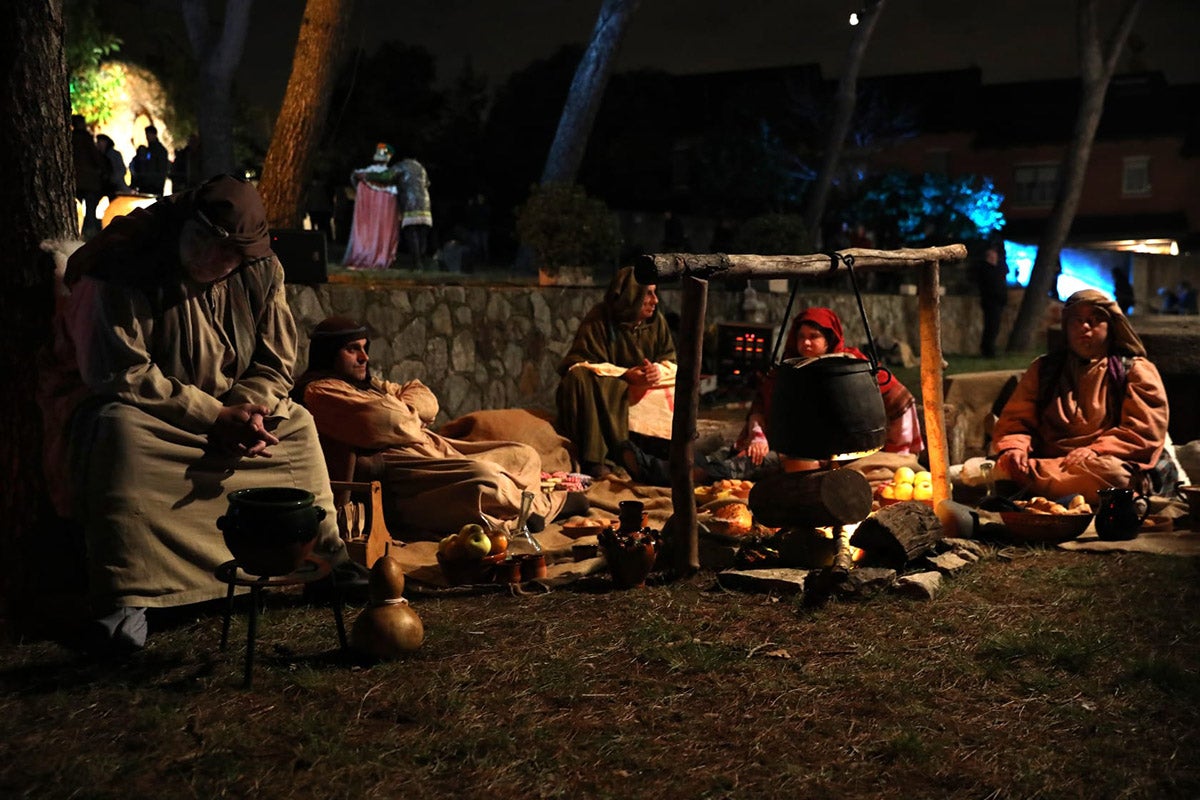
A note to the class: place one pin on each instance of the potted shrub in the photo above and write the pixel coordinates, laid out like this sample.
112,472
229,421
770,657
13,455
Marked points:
569,233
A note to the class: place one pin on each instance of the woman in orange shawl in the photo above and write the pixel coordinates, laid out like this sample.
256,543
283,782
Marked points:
1092,417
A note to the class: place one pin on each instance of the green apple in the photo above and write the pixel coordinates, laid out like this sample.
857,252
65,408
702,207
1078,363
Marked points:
475,542
445,544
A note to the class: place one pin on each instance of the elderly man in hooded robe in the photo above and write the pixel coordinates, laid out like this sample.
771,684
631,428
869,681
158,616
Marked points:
623,357
1091,417
172,366
432,484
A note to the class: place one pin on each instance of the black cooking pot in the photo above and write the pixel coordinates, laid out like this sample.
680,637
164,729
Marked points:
827,406
271,530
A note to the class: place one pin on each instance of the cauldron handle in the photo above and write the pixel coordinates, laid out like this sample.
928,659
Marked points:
872,353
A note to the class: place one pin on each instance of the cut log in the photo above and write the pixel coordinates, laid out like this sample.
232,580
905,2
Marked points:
896,535
811,499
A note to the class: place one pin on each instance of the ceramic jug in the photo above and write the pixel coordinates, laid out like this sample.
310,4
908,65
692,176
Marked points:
1117,515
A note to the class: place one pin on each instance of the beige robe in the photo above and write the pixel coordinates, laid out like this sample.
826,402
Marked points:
433,485
148,491
1078,415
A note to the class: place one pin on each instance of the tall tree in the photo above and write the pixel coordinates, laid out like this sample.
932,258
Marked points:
1097,63
36,162
305,105
847,96
218,57
587,90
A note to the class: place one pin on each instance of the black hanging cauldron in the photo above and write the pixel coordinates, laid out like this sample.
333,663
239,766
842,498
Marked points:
827,406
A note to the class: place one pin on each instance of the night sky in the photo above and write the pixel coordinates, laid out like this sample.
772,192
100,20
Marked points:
1008,39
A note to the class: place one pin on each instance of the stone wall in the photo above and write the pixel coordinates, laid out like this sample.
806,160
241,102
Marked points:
499,346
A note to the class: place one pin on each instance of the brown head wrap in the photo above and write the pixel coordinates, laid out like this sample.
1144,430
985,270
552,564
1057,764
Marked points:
624,296
231,209
1122,340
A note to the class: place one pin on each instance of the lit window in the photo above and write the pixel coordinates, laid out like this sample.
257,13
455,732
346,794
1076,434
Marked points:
1035,184
1135,177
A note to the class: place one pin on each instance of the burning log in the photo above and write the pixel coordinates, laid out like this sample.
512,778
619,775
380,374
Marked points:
811,499
895,535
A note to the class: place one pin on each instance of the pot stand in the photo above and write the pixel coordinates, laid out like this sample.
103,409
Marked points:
313,569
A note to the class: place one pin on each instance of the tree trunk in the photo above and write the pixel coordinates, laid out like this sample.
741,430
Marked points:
218,58
1097,66
305,104
36,162
587,90
847,95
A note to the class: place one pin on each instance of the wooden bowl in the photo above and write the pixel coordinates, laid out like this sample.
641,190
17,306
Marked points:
1024,526
459,571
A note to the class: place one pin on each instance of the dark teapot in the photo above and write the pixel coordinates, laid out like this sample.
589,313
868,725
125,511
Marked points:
1117,514
271,530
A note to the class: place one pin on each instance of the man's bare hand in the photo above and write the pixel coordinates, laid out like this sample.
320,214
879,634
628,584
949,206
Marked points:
240,431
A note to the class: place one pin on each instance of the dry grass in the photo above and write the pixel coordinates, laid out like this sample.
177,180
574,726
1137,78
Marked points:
1053,675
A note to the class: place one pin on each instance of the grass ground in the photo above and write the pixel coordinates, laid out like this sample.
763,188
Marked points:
1035,673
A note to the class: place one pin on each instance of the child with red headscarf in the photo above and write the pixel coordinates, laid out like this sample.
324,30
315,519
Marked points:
816,332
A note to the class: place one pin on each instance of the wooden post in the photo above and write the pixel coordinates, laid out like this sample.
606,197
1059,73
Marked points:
929,297
683,424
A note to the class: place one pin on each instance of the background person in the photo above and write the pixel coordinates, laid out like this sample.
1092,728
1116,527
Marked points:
374,230
153,172
1090,417
1122,289
991,276
115,183
91,173
417,221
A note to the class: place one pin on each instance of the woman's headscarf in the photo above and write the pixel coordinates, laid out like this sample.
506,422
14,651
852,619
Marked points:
831,326
825,319
1122,339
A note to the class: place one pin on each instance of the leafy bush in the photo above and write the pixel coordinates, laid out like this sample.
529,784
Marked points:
773,235
924,210
565,227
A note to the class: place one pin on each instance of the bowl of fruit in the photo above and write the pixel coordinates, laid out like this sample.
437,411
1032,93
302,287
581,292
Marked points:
906,484
473,555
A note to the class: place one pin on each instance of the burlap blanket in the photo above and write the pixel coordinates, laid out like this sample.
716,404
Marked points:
514,425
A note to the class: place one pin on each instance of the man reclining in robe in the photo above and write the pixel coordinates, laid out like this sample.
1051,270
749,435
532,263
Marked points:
172,366
432,485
